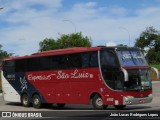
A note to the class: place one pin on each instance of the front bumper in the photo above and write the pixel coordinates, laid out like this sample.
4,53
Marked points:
131,100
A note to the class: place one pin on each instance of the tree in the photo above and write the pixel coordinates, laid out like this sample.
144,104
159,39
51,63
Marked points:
153,57
48,44
150,40
65,41
3,53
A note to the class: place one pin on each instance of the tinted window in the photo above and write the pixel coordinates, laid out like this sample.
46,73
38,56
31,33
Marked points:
85,59
45,63
108,58
75,60
69,61
90,59
33,64
93,59
63,62
55,62
21,65
9,66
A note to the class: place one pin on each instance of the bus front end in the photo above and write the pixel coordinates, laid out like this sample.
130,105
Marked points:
138,88
126,74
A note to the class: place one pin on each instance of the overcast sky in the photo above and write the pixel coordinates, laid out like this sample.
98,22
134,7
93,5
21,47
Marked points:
24,23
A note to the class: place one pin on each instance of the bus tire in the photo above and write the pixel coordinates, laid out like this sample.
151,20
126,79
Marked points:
25,100
60,105
119,107
36,101
97,103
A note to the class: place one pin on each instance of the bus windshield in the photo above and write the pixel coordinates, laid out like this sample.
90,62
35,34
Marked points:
131,58
111,62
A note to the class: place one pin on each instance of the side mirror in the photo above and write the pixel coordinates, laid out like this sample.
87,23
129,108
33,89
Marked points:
156,71
125,74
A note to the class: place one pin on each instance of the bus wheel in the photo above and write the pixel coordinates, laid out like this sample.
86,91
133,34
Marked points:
25,100
60,105
97,103
36,101
119,107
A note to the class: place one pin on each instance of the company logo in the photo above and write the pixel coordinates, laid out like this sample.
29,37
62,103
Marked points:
21,114
60,75
23,83
6,114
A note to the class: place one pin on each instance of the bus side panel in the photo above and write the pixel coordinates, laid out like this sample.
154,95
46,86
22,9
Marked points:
66,86
52,89
83,88
9,93
15,84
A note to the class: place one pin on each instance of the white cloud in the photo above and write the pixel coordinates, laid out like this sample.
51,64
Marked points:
28,26
118,11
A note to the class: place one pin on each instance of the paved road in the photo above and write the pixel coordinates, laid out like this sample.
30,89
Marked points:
86,110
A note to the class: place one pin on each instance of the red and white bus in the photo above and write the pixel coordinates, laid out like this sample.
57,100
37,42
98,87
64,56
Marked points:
100,76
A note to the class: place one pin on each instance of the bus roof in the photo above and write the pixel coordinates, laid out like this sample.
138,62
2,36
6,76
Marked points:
69,51
56,52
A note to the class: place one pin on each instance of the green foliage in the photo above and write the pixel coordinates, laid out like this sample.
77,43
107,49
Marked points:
65,41
156,66
48,44
150,39
153,57
3,53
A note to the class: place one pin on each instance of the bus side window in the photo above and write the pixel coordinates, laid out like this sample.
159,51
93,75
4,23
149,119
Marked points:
75,60
33,64
90,59
55,62
108,58
45,63
9,66
93,59
63,62
85,60
21,65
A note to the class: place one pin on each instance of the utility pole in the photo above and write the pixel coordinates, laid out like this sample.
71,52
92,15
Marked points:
127,32
72,24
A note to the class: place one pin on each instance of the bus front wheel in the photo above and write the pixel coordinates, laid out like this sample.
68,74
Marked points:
36,101
97,103
25,100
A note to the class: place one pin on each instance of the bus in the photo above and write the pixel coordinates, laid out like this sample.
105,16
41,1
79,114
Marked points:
100,76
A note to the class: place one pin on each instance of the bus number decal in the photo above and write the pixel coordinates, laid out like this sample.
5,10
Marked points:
110,99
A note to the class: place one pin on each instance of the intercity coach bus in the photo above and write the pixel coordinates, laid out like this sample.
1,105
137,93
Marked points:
100,76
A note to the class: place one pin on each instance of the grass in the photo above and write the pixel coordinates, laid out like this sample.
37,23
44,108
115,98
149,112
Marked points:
156,66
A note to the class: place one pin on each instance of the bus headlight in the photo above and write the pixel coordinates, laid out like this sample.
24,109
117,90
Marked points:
127,99
150,95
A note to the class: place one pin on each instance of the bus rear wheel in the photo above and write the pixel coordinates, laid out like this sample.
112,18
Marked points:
25,100
97,103
36,101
